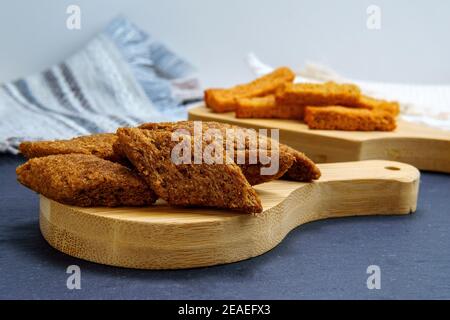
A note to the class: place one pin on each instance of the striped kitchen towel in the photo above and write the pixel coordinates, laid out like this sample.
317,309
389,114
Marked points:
123,77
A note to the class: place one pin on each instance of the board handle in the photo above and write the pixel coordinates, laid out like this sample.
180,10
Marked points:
371,187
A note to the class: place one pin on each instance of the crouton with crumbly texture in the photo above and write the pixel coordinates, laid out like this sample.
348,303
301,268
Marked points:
318,94
85,181
366,102
211,185
350,119
302,169
293,165
100,145
224,100
252,172
267,107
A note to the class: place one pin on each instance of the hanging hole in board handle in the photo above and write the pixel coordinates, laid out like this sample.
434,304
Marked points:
392,168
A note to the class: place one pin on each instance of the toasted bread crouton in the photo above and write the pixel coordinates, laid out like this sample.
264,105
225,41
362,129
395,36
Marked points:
318,94
267,107
293,164
85,181
303,168
351,119
370,103
224,100
220,185
100,145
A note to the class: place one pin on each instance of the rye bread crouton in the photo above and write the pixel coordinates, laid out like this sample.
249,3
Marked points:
85,181
100,145
287,156
186,184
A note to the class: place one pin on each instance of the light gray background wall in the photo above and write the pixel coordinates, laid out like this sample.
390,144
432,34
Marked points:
412,45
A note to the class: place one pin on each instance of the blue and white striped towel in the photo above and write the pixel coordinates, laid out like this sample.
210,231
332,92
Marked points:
123,77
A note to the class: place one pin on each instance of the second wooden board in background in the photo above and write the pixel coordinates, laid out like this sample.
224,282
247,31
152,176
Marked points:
423,147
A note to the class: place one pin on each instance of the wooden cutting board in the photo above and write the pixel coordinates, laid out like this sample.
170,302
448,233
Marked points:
423,147
164,237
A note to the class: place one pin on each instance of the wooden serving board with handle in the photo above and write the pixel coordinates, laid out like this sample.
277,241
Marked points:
423,147
165,237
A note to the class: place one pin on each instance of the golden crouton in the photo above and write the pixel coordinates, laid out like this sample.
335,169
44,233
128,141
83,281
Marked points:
224,100
351,119
370,103
267,107
318,94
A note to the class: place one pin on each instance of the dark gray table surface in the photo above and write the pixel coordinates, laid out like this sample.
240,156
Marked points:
324,259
